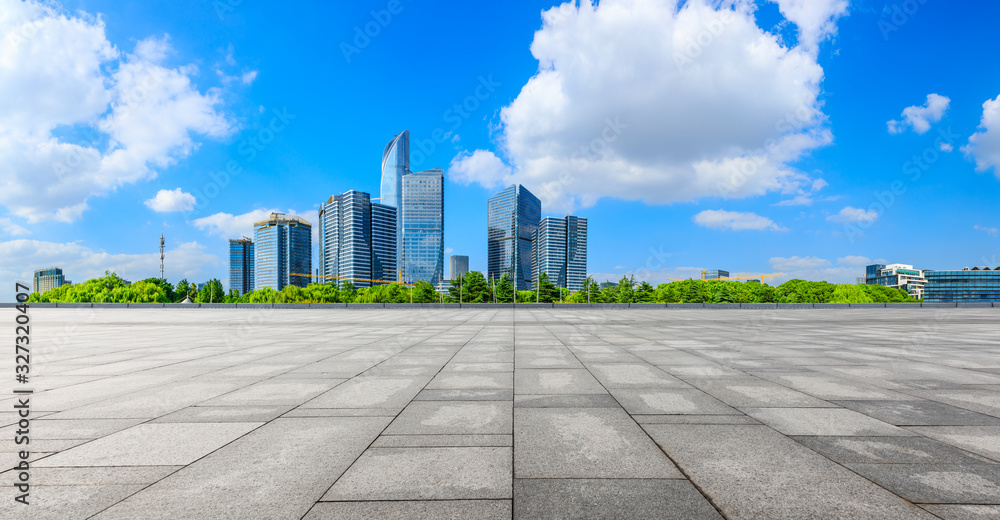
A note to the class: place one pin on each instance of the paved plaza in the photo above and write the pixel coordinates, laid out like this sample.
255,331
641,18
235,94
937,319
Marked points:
499,413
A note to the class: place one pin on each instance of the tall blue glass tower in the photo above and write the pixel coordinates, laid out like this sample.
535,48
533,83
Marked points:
357,239
423,226
559,249
241,265
513,216
396,165
282,250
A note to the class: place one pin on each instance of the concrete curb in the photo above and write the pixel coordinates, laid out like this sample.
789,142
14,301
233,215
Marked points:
526,306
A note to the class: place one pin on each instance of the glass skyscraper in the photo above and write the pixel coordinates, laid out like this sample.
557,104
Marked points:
423,226
357,239
384,237
241,265
396,165
513,216
282,249
459,266
559,249
48,279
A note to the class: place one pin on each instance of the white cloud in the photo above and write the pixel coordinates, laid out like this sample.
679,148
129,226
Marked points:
920,117
480,167
946,147
167,201
20,258
226,225
855,261
652,276
850,215
734,220
131,115
628,104
248,77
9,227
984,146
796,263
805,196
991,231
815,19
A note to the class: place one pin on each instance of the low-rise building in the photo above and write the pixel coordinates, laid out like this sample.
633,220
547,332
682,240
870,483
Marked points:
979,284
897,276
48,279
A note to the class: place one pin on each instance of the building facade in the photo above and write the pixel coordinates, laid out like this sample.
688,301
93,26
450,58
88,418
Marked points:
48,279
897,276
395,166
357,239
559,249
513,216
241,271
459,266
979,284
423,226
384,240
716,274
282,251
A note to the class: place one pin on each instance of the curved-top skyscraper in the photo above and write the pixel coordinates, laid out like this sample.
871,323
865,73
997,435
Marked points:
396,164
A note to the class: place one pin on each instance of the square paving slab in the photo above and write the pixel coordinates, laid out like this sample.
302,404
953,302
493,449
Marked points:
510,413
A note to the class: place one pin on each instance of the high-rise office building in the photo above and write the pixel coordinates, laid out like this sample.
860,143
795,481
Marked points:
48,279
395,166
241,270
384,240
559,249
459,266
357,239
423,226
282,250
715,274
513,216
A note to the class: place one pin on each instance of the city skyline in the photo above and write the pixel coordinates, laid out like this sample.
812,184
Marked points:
845,168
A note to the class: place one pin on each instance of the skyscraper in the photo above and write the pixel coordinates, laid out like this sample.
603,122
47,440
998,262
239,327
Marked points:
396,165
48,279
357,239
559,249
384,240
241,265
282,249
423,226
513,215
459,266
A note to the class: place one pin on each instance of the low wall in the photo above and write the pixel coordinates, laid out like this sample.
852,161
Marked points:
521,306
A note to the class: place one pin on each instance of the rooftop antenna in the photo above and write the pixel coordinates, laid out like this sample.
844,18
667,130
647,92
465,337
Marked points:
161,253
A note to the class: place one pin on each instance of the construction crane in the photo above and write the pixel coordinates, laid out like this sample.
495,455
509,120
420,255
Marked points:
726,279
350,279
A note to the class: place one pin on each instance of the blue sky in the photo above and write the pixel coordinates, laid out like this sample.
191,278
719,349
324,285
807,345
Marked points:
639,114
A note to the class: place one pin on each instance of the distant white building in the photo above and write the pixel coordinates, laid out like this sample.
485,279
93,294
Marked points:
897,276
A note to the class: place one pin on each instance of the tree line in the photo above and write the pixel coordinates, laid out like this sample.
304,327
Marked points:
475,288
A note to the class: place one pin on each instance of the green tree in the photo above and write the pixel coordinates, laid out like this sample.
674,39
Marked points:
476,289
182,290
625,291
645,293
168,289
262,295
322,293
456,292
423,292
347,292
525,296
545,290
505,290
211,293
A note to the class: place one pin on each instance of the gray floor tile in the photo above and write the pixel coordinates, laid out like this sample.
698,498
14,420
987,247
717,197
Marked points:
823,421
670,401
889,450
920,413
426,474
557,381
453,417
610,498
937,483
584,443
413,510
981,440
